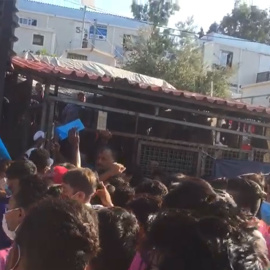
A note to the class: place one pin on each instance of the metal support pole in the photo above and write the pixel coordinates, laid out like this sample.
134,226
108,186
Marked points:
83,24
50,133
44,107
94,36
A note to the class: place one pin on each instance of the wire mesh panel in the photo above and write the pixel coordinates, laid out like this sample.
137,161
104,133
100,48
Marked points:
172,159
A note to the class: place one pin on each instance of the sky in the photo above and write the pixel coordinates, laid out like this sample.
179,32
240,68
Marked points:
205,12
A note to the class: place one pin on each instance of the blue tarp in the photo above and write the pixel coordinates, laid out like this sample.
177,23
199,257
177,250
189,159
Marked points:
234,168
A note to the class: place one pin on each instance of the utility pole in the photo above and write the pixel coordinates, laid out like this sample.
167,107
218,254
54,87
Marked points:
83,24
94,35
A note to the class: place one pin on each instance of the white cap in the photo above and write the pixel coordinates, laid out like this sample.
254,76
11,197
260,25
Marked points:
39,134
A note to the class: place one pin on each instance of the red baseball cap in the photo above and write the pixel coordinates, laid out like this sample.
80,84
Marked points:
58,173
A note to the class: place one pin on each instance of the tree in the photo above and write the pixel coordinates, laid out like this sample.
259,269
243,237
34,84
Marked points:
247,22
214,28
157,12
181,65
174,56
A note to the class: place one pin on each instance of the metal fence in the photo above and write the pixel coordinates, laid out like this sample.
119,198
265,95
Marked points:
190,158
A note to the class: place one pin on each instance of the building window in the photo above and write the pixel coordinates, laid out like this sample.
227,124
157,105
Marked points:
77,56
28,21
226,59
100,31
38,40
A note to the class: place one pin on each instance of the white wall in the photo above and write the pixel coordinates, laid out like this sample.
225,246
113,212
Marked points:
65,34
258,89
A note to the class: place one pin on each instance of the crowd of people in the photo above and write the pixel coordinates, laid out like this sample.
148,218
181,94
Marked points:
61,210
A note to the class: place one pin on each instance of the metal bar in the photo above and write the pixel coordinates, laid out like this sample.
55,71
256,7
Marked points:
190,144
50,120
158,104
162,145
137,123
44,107
199,164
265,95
139,152
158,118
90,105
202,126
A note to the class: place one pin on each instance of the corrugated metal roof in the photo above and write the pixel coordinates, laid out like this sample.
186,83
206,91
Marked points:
143,83
237,42
77,13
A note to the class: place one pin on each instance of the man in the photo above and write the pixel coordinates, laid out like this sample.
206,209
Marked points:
56,234
106,165
39,93
81,185
41,158
17,171
72,111
39,141
31,190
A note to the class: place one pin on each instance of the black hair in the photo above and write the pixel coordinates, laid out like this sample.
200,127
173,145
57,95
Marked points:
189,194
118,230
117,181
82,179
20,169
122,195
58,234
40,158
152,187
246,193
143,205
259,178
31,190
187,241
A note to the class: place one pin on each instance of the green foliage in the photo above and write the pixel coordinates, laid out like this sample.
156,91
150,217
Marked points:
157,12
172,56
246,22
180,65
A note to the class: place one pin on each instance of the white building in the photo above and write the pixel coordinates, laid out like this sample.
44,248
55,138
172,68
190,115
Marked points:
250,61
55,29
257,94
